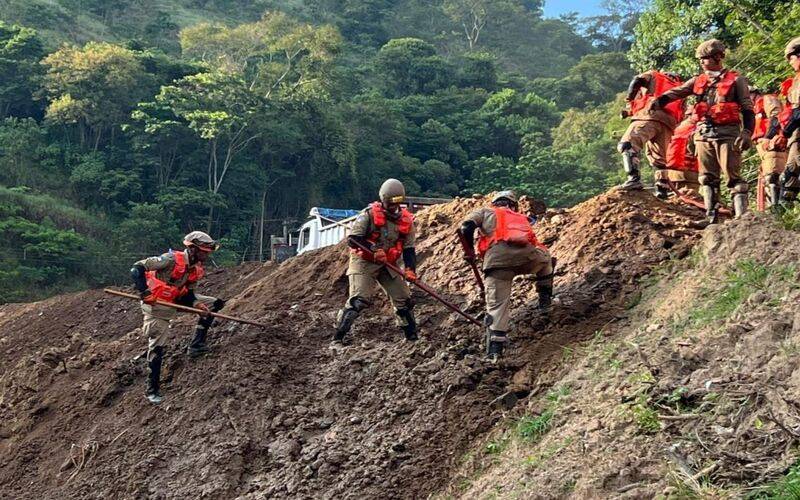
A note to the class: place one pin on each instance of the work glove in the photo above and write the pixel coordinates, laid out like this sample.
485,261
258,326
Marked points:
744,141
148,297
626,111
410,275
379,256
470,257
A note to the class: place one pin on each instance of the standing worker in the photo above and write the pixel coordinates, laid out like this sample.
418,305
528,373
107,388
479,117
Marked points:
725,122
172,277
509,248
790,121
387,229
770,143
648,127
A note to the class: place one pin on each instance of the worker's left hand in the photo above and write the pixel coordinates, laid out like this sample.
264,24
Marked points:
410,275
777,143
744,141
203,308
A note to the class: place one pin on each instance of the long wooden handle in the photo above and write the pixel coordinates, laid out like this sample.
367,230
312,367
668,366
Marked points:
186,308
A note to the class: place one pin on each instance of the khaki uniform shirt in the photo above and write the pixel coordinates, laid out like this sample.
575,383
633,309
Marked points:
741,95
389,235
163,266
501,254
658,115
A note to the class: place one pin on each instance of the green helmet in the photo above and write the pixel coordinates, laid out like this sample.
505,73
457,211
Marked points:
793,47
200,240
709,48
505,195
392,191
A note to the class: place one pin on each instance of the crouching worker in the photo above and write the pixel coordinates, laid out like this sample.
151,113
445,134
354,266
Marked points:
509,248
387,230
172,277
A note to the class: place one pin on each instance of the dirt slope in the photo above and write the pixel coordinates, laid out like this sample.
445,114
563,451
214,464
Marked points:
694,393
276,413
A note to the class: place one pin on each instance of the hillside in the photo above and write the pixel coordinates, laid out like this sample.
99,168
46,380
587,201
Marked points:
275,412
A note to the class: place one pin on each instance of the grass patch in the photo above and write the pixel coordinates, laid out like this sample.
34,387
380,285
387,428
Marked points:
786,487
644,416
531,429
790,218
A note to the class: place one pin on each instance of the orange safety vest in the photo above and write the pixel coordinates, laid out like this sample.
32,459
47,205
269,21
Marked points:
663,83
678,157
166,290
512,227
762,120
786,113
724,112
379,221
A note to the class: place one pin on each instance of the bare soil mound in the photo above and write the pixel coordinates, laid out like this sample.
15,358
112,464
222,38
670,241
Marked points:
275,413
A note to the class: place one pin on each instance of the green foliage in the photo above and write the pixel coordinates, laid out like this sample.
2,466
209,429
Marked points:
645,416
790,218
20,52
531,429
786,487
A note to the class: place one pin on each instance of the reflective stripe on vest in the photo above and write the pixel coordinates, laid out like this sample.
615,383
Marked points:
663,83
404,224
512,227
167,291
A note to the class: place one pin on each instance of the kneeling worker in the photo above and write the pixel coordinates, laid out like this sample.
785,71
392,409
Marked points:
509,248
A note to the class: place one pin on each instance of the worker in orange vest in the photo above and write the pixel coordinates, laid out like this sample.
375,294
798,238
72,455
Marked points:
681,168
172,277
725,122
790,123
508,248
770,143
650,128
388,230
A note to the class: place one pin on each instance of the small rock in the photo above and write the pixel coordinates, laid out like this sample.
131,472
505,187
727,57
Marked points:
594,425
652,327
355,420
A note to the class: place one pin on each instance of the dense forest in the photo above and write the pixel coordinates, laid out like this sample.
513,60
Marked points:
125,123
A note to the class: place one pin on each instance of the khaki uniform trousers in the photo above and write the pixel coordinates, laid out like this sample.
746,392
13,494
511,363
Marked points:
158,321
681,179
772,162
654,134
498,287
362,285
719,157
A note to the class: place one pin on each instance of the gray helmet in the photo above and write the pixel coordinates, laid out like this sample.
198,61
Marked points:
505,195
201,240
392,191
793,47
710,48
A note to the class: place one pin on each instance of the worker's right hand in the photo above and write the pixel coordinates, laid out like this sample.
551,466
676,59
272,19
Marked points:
149,297
470,258
379,256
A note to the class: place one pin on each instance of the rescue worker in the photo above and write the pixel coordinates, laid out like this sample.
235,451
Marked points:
681,166
722,134
790,122
770,144
387,229
508,247
652,128
172,277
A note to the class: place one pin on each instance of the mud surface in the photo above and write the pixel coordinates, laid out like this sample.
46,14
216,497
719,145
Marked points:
275,412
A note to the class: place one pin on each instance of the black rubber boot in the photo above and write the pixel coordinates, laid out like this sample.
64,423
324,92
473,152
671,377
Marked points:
739,204
495,344
198,345
153,394
662,191
545,291
774,195
630,162
344,322
711,200
410,329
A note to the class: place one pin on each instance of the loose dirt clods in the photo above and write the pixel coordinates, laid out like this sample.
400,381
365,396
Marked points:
276,413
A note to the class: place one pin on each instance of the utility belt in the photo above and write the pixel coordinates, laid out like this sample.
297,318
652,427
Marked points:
710,130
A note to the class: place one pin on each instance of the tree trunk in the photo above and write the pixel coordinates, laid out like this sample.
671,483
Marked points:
261,226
